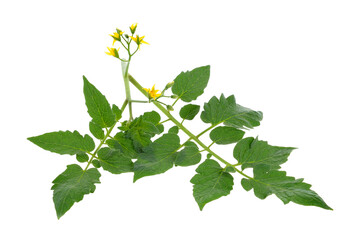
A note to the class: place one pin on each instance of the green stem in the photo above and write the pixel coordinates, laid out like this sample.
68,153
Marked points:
125,70
206,130
108,132
139,101
175,101
163,121
191,135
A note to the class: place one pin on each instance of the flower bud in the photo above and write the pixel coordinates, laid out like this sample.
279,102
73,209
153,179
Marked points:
169,85
174,96
126,36
170,108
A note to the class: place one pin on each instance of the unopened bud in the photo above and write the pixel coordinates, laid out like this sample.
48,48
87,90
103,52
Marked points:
174,96
170,108
126,36
169,85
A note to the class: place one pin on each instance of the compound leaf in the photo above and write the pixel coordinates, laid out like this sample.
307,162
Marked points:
71,185
226,135
158,157
252,152
190,85
210,183
284,187
98,107
225,110
64,142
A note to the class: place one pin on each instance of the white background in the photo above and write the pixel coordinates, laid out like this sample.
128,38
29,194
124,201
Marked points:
299,62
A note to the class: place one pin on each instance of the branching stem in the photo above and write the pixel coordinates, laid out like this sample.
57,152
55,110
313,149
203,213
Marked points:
185,130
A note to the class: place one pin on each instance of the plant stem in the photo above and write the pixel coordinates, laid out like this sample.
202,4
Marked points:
125,70
108,132
191,135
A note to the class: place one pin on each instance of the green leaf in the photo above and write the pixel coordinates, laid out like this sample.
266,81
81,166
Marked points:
82,157
225,110
158,157
191,84
71,185
174,129
252,152
96,130
123,144
285,188
188,156
64,142
140,132
210,183
189,111
98,107
114,161
226,135
152,117
117,111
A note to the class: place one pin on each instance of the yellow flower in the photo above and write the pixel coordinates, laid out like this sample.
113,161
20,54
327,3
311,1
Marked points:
116,36
113,52
133,28
153,93
138,40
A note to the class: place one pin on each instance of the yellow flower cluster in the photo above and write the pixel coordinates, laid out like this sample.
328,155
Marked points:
153,93
120,36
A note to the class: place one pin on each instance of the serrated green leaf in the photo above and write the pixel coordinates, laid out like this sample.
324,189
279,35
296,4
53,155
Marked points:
285,188
82,157
210,183
189,111
96,163
71,185
114,161
225,110
123,144
64,142
191,84
117,112
96,130
226,135
252,152
158,157
140,132
188,156
174,129
152,117
98,107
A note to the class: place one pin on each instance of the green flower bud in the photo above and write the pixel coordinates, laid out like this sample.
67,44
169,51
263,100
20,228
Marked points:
209,155
170,108
126,36
174,96
169,85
